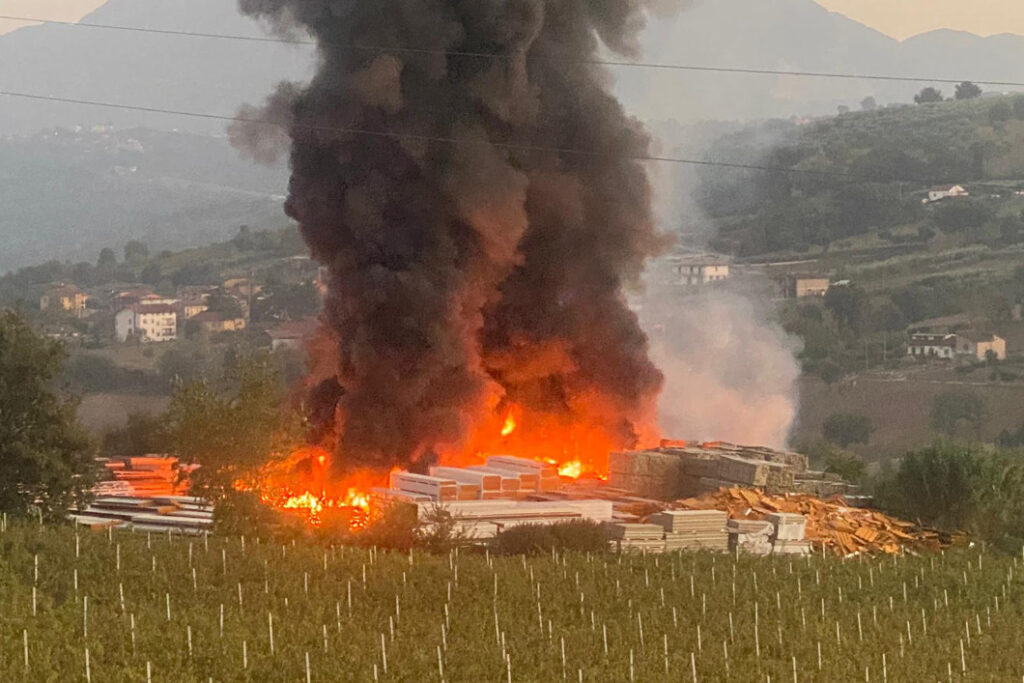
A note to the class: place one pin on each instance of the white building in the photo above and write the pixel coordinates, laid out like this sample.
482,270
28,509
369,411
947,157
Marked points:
940,192
932,345
698,270
148,322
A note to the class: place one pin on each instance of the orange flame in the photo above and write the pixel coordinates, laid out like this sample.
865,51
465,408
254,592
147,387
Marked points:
510,424
302,484
571,470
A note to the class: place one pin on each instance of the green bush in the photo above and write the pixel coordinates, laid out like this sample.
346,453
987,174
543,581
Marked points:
533,539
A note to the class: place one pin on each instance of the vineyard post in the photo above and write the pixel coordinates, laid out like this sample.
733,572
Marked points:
325,637
309,676
88,673
24,641
131,622
245,656
221,621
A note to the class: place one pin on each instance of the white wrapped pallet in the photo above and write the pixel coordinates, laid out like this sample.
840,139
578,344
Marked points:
510,482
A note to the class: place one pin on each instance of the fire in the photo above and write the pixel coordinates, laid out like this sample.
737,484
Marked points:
302,484
572,470
510,424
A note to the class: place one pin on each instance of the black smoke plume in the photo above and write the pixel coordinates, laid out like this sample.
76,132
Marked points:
472,264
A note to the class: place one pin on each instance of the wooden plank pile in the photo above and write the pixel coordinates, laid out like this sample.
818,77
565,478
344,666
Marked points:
829,524
693,529
479,520
678,469
143,476
177,514
642,537
750,536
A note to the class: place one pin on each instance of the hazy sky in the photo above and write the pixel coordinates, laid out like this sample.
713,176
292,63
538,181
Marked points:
904,18
60,10
897,18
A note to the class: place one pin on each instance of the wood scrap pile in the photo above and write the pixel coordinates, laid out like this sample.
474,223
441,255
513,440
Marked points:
831,524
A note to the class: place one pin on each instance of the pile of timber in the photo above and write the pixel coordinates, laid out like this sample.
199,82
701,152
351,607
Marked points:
643,537
501,477
680,469
750,536
479,520
142,476
163,514
826,524
673,530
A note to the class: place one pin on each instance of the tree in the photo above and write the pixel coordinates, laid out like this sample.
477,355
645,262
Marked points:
1018,106
106,265
967,91
226,305
956,215
232,427
843,109
928,95
142,435
136,252
952,409
1001,112
847,304
868,104
844,429
44,454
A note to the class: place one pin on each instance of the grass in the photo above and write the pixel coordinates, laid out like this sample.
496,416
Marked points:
596,617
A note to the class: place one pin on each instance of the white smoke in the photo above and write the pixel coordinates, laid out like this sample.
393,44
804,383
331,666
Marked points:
730,372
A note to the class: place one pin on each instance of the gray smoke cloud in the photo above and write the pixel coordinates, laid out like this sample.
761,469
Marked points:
730,371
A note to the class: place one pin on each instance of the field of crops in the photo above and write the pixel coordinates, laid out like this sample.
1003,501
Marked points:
122,607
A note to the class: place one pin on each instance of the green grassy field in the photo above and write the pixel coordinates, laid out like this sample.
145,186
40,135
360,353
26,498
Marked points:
226,610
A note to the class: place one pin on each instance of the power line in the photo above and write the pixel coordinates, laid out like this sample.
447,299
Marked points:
491,55
452,141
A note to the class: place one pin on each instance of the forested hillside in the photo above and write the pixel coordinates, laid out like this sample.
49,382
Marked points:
867,172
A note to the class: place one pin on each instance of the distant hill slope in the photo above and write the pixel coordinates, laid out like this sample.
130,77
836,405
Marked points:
867,171
64,194
797,35
164,71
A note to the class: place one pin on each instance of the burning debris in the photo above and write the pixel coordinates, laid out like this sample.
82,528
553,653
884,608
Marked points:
473,190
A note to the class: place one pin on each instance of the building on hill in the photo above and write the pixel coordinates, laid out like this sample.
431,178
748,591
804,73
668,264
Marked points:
292,335
147,322
940,192
63,297
928,345
696,270
978,345
806,285
212,322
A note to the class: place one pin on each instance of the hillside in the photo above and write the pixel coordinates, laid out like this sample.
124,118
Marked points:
865,173
145,69
68,193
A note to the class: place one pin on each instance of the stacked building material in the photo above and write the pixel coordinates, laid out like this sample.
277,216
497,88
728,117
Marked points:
831,524
547,474
143,476
750,536
436,488
177,514
681,469
642,537
483,519
489,485
693,529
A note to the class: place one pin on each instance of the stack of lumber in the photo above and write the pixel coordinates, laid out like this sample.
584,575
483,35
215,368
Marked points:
750,536
681,469
546,473
178,514
440,489
489,486
693,529
830,524
143,476
642,537
483,519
